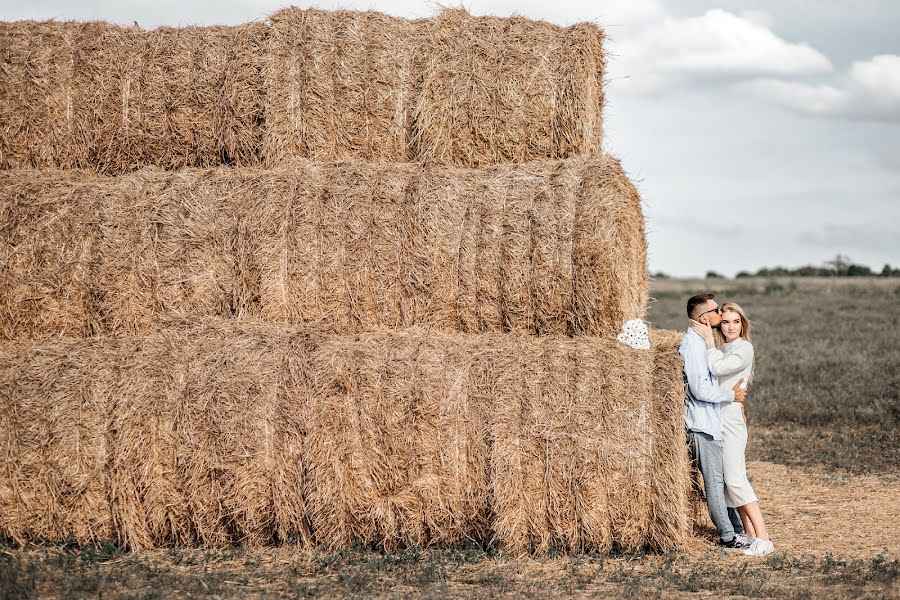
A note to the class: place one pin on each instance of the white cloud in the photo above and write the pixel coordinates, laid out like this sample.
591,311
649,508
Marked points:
853,237
879,76
616,12
758,17
606,13
869,91
715,45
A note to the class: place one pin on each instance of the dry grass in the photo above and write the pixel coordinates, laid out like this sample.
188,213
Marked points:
551,247
325,85
464,572
827,383
214,434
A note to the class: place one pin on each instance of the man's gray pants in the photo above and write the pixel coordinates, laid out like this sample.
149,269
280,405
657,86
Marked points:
707,456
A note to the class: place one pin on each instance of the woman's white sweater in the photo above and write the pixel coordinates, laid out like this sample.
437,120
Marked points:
734,361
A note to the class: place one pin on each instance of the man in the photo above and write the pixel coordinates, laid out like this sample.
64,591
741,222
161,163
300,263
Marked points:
704,426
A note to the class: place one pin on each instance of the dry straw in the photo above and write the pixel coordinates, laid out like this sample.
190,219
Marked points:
99,96
214,433
325,85
55,404
543,247
47,228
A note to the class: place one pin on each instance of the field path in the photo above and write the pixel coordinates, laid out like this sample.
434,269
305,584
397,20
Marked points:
816,512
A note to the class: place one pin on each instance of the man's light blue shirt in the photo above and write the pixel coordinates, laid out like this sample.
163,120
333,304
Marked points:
701,412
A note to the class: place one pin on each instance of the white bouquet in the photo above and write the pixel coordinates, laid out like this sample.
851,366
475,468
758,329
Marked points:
635,334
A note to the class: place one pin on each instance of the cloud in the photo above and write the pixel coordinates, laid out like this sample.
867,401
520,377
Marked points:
616,12
697,229
758,17
849,237
870,91
717,45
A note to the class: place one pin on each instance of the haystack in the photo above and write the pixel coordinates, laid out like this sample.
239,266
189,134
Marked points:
55,402
47,238
458,89
673,499
114,99
550,247
221,432
208,429
325,85
340,85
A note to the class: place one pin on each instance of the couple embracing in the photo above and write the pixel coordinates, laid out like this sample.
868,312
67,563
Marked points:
716,381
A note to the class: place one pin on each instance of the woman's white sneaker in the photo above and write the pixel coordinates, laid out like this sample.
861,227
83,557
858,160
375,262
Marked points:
760,548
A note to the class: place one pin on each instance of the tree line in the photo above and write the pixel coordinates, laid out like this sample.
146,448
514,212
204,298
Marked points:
839,266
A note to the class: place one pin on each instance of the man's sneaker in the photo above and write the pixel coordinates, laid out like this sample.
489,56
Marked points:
735,545
742,537
760,548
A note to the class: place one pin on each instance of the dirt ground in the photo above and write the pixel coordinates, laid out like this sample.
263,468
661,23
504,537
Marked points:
820,512
833,532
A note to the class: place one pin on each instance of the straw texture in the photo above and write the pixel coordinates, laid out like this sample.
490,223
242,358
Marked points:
325,85
550,247
217,432
113,99
55,401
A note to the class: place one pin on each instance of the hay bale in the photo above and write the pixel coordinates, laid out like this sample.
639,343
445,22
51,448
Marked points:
570,463
456,89
55,405
172,244
47,238
114,99
498,90
544,247
672,497
208,438
339,85
397,451
220,432
149,502
550,247
35,96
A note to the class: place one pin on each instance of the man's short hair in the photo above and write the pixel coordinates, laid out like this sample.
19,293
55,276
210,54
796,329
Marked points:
698,300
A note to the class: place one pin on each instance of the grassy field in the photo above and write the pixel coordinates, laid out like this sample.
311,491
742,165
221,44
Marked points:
84,572
825,402
827,385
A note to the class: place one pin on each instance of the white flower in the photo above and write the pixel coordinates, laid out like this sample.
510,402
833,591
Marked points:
635,334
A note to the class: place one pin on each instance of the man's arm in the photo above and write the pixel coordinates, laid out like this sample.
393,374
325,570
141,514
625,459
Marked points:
699,381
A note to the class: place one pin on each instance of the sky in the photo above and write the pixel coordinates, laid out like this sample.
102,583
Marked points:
759,133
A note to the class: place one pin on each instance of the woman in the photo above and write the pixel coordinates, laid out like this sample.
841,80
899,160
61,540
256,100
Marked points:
732,362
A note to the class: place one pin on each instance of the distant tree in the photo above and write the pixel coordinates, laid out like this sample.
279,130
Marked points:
714,275
773,272
660,275
854,270
811,271
889,271
841,264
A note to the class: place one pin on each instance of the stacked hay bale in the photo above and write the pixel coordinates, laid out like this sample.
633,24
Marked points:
239,313
457,89
543,247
